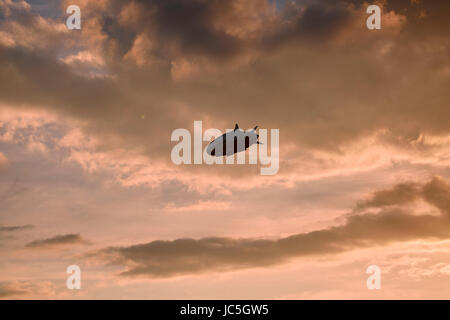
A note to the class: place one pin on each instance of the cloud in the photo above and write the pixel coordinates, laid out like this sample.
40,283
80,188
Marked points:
221,30
27,289
6,231
21,27
289,59
8,290
400,194
3,161
15,228
238,59
59,240
188,256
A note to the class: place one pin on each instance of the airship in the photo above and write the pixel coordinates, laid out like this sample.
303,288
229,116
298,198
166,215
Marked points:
240,139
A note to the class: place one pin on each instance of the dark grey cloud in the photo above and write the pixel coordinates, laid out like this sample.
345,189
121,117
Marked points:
309,22
65,239
190,24
199,28
188,256
50,83
203,28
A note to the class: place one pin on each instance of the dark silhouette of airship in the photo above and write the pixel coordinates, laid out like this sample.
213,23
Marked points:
238,140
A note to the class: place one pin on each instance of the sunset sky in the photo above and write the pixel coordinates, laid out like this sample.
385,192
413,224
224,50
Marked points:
86,176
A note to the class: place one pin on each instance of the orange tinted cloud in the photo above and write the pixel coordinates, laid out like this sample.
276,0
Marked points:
187,256
60,240
3,161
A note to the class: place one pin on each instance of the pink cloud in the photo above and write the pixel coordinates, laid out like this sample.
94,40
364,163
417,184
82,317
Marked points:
3,161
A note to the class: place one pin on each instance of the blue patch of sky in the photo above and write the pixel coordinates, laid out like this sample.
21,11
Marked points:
47,8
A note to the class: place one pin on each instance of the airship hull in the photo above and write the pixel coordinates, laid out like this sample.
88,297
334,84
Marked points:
232,142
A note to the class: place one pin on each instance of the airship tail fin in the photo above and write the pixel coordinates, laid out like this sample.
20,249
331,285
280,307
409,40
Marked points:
236,127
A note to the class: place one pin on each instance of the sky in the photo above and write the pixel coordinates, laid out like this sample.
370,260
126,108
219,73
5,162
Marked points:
86,176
